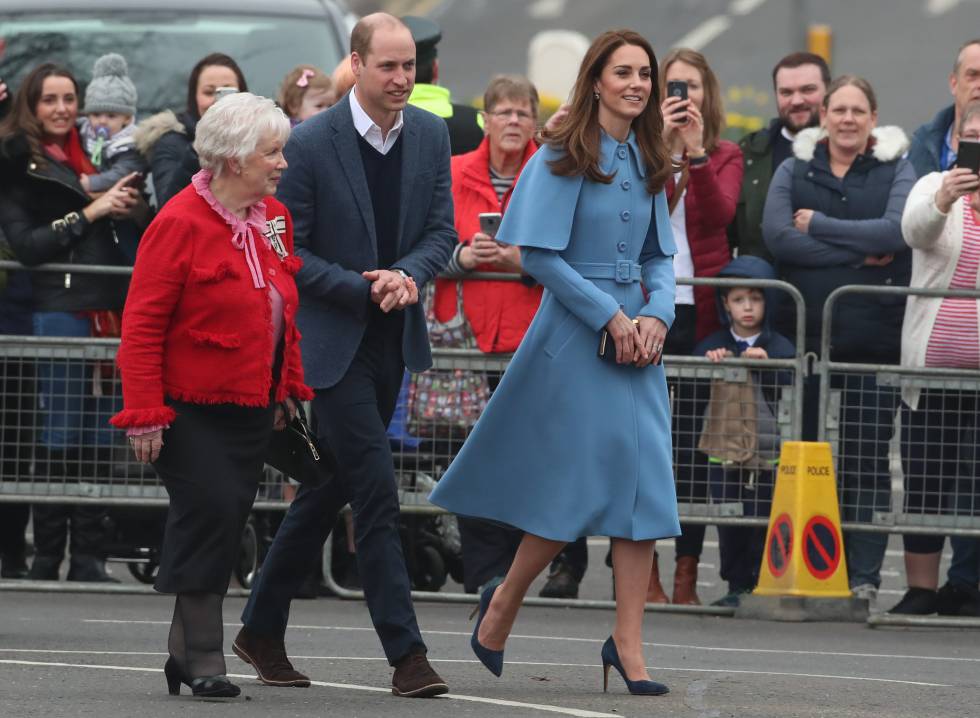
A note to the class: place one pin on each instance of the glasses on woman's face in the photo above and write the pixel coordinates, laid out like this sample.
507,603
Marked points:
521,115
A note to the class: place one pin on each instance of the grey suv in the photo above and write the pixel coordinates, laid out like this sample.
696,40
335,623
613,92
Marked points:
162,39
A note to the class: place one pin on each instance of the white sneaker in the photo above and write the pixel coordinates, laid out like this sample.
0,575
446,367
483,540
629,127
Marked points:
866,591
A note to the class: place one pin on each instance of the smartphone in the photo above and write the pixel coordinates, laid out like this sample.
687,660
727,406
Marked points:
968,155
137,181
490,223
678,88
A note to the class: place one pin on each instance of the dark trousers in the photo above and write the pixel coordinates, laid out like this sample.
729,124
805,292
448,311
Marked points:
352,417
688,464
488,550
867,425
16,435
940,463
741,547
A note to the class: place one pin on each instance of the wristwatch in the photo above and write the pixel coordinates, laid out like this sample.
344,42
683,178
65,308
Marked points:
405,275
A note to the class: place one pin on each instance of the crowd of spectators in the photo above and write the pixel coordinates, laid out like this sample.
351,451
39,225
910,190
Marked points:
823,196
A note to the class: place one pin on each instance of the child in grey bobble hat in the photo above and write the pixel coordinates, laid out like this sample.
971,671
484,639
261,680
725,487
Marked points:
107,126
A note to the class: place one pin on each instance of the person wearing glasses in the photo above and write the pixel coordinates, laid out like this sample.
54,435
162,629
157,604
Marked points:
498,313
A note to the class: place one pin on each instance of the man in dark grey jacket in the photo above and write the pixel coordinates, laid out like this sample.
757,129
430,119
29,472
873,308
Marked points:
934,144
368,187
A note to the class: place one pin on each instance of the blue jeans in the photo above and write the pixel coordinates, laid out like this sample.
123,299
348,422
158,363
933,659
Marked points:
71,415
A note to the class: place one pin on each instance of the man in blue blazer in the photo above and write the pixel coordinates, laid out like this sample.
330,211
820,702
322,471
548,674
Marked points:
368,187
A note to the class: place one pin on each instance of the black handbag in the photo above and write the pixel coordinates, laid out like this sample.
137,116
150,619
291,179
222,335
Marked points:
296,452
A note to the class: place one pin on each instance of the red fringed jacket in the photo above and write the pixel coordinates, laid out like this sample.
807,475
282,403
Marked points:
195,328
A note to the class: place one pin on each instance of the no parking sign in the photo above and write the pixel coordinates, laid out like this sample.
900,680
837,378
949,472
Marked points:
804,550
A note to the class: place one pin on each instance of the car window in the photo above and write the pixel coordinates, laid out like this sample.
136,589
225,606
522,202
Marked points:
161,48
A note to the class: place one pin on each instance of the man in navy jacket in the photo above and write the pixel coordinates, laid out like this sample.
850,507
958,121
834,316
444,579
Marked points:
368,187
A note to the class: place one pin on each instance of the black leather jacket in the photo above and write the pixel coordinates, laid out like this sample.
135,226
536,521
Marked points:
32,198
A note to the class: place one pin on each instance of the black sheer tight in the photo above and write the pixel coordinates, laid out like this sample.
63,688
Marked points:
197,635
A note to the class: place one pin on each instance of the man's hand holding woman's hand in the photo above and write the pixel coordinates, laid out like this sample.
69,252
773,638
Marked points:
390,290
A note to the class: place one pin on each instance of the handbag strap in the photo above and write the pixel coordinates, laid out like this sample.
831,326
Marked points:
679,188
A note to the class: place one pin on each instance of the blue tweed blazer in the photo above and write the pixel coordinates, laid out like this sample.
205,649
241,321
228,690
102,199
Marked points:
327,194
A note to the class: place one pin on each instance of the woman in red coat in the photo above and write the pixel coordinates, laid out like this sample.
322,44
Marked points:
499,313
210,364
702,197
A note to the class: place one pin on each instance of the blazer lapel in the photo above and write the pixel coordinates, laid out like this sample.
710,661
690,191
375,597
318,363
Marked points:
345,143
410,164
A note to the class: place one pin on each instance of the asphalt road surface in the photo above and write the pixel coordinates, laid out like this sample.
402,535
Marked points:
99,655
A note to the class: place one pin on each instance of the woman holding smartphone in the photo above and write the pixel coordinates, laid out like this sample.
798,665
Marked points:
702,195
571,444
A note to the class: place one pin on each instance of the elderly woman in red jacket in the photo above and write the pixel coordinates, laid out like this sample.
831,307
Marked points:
499,313
211,364
702,199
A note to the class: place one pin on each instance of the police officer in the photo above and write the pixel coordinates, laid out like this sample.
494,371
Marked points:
464,122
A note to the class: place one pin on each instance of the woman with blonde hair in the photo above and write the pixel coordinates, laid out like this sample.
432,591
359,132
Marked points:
587,436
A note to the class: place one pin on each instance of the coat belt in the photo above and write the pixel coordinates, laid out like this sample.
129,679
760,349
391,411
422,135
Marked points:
623,271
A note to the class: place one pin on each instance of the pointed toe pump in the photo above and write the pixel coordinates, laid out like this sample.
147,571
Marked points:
493,660
205,687
610,659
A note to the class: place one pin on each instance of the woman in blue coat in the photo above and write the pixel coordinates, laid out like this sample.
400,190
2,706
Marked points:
571,444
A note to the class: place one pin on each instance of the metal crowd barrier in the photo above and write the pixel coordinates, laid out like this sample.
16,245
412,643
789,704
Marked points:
95,463
887,463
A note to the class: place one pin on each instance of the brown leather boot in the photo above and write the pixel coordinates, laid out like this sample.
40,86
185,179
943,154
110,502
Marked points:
268,657
686,581
655,591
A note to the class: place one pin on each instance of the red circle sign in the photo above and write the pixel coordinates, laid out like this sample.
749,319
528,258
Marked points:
821,547
779,548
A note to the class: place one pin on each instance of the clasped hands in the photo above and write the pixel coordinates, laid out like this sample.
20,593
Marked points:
390,290
640,344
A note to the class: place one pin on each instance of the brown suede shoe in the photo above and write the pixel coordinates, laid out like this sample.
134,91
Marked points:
414,678
268,657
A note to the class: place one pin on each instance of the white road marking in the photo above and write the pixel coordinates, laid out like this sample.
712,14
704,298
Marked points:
480,699
744,7
576,712
546,9
575,639
940,7
704,33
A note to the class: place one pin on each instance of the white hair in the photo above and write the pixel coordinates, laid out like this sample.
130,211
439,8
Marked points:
233,127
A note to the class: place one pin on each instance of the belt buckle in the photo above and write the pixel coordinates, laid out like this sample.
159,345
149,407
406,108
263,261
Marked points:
624,271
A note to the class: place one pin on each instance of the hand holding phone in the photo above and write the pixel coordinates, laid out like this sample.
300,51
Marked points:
678,89
490,223
968,155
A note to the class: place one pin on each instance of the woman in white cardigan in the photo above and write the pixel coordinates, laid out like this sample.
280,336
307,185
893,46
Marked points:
941,224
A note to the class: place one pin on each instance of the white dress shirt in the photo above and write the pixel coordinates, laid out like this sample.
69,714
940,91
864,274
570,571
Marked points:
369,130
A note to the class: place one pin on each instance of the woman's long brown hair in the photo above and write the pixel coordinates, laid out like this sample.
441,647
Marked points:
712,107
579,135
23,118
